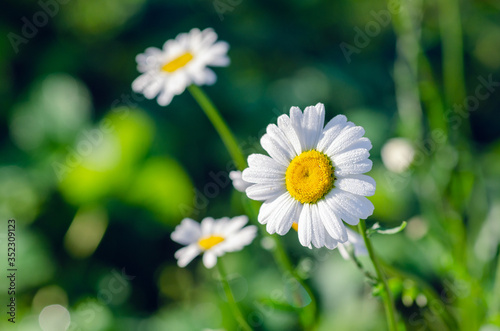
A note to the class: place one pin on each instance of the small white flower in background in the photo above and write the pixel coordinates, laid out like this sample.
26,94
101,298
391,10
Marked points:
212,237
238,182
355,242
182,61
397,154
314,176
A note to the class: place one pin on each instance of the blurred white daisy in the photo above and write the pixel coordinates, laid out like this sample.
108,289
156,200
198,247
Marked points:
182,61
212,237
313,176
355,242
397,154
238,183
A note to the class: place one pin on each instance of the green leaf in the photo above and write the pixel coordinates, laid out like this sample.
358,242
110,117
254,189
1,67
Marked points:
377,228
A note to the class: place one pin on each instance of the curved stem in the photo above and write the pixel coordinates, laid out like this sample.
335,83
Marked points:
220,125
387,295
230,298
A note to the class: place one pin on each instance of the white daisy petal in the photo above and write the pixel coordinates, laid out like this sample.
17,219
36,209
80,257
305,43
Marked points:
312,125
187,232
187,254
262,192
360,143
165,98
355,241
343,252
209,77
351,156
141,82
238,182
356,205
281,220
209,259
331,243
346,138
357,184
270,205
256,175
331,131
285,124
234,225
281,139
332,222
353,168
275,150
219,226
305,226
265,163
240,239
207,225
296,120
318,233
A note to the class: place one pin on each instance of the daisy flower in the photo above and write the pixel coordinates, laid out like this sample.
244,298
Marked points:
355,242
182,61
212,237
238,183
313,176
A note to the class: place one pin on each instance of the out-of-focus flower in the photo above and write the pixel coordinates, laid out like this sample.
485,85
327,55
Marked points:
397,154
238,182
313,176
182,61
355,242
212,237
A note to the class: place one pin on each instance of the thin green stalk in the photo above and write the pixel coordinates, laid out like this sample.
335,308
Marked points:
308,315
453,58
230,298
220,125
495,302
437,306
387,295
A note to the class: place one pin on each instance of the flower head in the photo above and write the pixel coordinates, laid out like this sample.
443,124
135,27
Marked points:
182,61
313,176
397,154
212,237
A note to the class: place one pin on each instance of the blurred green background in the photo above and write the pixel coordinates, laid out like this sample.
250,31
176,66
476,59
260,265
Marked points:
97,177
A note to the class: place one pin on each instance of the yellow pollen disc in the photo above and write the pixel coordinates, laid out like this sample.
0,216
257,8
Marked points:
295,226
310,176
209,242
177,63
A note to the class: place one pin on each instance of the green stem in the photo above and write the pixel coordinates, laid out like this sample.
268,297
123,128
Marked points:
220,125
387,295
230,298
437,306
495,303
453,58
308,314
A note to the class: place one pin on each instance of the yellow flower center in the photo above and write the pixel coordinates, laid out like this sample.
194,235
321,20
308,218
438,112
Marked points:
295,226
209,242
309,177
177,63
